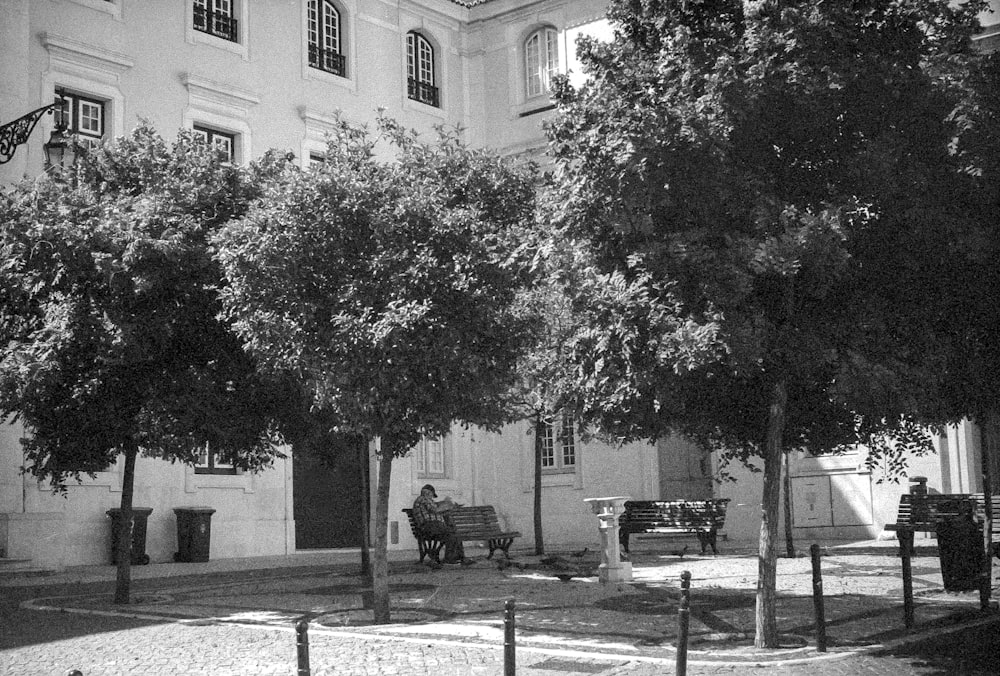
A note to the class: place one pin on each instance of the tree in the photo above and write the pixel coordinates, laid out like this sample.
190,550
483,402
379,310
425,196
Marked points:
109,316
386,287
786,171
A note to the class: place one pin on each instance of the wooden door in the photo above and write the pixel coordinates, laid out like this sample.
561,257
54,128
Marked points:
328,492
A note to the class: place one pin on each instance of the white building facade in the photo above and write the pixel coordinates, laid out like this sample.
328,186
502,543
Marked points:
251,75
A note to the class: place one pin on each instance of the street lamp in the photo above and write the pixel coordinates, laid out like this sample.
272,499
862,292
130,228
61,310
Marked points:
59,148
14,134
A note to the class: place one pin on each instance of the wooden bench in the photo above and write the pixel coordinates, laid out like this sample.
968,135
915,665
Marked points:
704,518
921,512
471,523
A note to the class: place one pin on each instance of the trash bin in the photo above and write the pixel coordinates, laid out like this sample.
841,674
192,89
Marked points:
960,550
194,533
139,517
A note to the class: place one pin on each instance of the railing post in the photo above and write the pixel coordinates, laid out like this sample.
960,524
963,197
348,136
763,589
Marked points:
509,661
302,643
683,621
818,599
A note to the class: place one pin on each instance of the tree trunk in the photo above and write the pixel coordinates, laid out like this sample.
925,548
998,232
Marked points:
767,564
990,451
787,484
380,560
366,511
123,581
539,543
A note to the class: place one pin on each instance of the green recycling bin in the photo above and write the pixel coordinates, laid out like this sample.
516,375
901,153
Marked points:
139,518
194,533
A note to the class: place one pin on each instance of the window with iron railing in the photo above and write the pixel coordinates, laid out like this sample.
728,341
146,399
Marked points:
420,71
216,17
423,92
326,49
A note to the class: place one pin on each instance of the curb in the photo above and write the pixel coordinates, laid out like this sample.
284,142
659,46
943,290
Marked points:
795,656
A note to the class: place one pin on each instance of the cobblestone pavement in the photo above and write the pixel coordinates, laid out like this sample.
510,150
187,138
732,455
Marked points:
451,622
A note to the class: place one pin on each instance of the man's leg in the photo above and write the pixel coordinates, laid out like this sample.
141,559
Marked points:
439,531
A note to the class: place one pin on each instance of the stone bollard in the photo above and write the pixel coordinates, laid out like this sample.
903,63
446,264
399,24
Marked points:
608,511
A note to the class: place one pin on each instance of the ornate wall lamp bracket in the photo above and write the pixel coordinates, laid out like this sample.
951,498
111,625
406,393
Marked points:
17,132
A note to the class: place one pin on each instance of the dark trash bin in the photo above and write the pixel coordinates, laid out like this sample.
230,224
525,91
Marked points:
960,550
139,517
194,533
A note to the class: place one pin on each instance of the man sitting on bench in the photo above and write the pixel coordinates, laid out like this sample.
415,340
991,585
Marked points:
429,516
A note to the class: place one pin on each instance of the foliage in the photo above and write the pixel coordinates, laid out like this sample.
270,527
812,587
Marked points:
386,285
109,311
788,170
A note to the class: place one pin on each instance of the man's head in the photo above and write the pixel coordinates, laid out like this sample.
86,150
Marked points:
428,490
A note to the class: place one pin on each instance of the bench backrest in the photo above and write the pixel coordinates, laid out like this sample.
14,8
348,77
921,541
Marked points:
467,520
677,513
928,509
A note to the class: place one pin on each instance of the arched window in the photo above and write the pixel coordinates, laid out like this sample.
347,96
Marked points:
541,60
420,70
325,37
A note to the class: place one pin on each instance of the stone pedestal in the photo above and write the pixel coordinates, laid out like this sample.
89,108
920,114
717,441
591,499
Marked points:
608,510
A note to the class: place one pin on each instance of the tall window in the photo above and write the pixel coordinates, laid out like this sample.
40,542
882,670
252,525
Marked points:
81,116
430,457
541,60
222,141
420,70
558,444
217,17
325,37
209,463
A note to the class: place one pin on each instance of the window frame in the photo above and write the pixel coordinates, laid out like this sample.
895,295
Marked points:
75,102
206,463
320,46
565,461
210,135
544,64
421,455
421,70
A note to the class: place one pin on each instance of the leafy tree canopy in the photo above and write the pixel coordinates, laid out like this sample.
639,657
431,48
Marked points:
788,169
384,278
109,311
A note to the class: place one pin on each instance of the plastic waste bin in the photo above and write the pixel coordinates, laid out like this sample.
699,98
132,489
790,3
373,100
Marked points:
960,550
139,518
194,533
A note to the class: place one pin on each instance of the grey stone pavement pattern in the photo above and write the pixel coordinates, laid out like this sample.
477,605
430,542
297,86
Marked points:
237,616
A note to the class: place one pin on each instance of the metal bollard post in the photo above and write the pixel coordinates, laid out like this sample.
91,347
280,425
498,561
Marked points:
683,621
904,553
302,643
509,661
818,599
74,672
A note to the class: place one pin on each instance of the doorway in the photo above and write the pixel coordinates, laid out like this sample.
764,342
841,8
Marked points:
329,491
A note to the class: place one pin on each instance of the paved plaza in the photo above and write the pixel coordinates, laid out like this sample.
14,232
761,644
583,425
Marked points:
238,616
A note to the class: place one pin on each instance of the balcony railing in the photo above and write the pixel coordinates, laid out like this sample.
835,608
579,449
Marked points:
423,92
327,60
216,23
